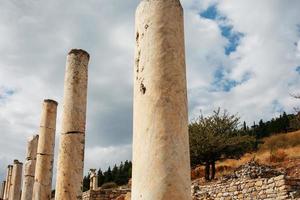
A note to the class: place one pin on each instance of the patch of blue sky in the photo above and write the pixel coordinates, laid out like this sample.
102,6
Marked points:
227,31
222,83
5,93
298,27
277,107
298,69
210,13
233,38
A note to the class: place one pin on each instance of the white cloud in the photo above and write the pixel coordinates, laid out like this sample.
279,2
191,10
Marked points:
106,156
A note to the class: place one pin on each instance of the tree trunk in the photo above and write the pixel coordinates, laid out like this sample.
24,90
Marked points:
213,169
207,166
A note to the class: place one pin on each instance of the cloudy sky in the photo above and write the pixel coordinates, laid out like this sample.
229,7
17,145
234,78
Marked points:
242,55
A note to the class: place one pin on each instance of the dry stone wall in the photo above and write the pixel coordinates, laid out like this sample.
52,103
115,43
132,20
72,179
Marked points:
294,187
260,188
250,181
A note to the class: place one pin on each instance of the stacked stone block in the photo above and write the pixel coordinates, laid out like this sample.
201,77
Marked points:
275,188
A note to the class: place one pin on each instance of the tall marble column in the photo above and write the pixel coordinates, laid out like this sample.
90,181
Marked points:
16,181
2,189
161,162
45,152
8,182
72,139
29,168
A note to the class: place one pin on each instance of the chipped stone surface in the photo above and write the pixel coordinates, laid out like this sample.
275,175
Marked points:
29,168
16,181
72,139
160,131
45,152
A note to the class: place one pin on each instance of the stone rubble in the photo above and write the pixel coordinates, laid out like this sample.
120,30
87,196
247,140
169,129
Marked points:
254,170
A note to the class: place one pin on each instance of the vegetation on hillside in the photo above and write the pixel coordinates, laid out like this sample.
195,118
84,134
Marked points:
217,137
118,175
280,150
282,124
220,136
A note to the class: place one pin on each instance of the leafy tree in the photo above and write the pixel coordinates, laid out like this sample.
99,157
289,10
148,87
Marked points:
217,137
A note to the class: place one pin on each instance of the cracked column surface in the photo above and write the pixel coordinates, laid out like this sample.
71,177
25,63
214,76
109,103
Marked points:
72,139
16,181
45,152
2,189
8,182
29,168
161,162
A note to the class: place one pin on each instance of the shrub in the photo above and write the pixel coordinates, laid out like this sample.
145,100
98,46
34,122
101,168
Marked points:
109,185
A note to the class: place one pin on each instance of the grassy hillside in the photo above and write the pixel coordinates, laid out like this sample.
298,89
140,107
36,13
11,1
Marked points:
280,151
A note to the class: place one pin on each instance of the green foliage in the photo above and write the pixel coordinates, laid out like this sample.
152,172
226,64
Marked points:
217,137
123,173
101,177
86,183
108,176
119,174
281,124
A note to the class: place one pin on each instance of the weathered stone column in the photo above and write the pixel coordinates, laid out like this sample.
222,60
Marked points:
8,182
29,168
72,139
93,179
2,189
45,152
16,181
161,163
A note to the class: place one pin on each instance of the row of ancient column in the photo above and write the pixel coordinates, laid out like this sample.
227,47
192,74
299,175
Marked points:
38,169
161,165
11,187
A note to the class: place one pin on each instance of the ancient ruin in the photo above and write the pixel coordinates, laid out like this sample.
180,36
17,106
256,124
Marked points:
93,179
72,139
160,130
29,168
161,160
106,194
8,182
16,181
45,152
